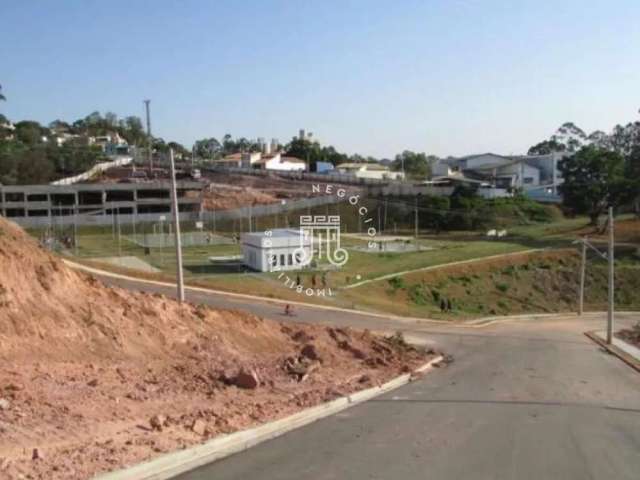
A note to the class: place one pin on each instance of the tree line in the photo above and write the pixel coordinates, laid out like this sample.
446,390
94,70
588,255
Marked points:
599,170
416,165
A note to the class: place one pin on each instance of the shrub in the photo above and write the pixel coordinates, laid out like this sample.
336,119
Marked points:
396,283
417,294
503,287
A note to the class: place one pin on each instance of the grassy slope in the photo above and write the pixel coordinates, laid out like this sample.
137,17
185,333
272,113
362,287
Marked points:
538,282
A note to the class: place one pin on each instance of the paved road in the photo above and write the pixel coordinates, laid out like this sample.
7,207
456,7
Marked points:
523,400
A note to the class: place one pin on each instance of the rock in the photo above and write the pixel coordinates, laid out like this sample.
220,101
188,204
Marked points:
199,427
93,383
309,351
14,387
157,422
36,455
364,379
247,379
301,336
4,404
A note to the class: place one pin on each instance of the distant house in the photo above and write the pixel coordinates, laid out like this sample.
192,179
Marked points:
258,160
498,170
278,162
284,249
369,170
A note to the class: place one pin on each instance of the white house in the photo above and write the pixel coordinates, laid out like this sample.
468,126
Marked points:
276,161
258,160
276,250
502,171
368,170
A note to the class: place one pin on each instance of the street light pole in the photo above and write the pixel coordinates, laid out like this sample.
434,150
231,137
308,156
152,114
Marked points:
610,313
149,142
176,230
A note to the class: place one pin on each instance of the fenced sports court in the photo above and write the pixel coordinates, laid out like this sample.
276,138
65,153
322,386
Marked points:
189,239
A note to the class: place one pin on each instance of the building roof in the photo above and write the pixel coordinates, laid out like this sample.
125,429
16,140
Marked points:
358,166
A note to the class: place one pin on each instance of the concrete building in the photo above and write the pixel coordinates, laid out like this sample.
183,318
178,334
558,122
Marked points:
278,162
281,250
499,170
368,170
94,204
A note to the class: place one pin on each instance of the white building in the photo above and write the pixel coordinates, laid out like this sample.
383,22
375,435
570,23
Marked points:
499,170
276,161
368,170
268,161
276,250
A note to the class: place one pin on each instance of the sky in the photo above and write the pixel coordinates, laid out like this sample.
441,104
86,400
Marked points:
447,77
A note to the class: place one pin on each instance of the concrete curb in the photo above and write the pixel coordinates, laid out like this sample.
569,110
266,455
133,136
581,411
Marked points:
172,464
626,357
475,323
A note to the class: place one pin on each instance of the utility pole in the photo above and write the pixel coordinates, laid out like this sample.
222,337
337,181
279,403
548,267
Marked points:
176,219
583,271
610,316
119,232
385,213
149,150
415,221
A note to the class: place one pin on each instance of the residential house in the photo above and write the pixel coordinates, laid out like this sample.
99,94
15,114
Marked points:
368,170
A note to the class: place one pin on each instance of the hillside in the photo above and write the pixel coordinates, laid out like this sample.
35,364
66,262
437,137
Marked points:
542,282
92,378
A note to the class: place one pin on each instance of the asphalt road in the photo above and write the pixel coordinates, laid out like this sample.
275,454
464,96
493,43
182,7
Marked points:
527,399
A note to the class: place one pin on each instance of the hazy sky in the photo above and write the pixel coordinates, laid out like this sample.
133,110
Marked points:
375,77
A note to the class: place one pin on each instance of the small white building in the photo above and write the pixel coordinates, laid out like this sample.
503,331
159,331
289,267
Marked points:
276,250
276,161
368,170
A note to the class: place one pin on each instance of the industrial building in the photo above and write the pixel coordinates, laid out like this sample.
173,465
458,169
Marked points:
96,203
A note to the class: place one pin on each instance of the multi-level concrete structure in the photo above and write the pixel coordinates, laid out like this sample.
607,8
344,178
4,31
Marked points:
95,204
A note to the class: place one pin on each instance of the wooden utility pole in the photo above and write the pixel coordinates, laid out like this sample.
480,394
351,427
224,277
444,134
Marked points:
176,230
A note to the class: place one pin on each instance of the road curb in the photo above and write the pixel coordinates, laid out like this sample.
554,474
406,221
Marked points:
476,323
614,350
172,464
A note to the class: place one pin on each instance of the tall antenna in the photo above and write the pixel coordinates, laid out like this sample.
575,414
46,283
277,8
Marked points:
149,151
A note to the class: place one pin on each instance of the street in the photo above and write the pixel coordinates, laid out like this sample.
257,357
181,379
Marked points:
523,399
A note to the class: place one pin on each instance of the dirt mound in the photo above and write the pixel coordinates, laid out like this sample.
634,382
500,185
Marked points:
93,378
222,197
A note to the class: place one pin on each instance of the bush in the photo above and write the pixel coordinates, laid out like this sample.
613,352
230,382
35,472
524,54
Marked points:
417,294
396,283
503,287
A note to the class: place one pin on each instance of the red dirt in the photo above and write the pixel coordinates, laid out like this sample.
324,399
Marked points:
630,335
626,231
87,370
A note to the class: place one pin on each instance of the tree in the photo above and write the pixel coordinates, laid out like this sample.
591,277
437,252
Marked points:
546,147
305,150
632,173
29,132
34,167
593,180
208,148
2,97
415,165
